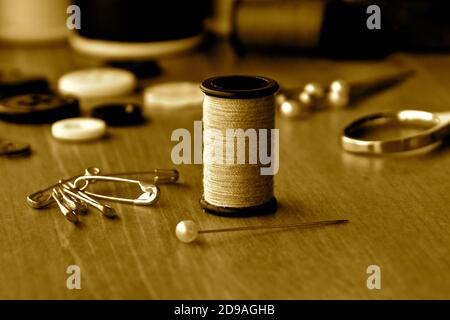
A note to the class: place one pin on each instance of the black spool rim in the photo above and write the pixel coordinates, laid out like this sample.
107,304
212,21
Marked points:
263,209
239,87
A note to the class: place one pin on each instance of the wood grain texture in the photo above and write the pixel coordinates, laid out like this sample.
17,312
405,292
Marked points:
397,206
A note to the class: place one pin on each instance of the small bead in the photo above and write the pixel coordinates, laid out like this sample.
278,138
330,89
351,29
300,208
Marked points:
315,90
292,109
289,108
186,231
280,98
306,101
340,86
337,100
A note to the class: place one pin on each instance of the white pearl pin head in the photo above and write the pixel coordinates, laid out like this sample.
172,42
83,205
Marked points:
186,231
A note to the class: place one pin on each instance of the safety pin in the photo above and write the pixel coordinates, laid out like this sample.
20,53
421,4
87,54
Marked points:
150,191
43,198
74,203
65,210
162,176
80,195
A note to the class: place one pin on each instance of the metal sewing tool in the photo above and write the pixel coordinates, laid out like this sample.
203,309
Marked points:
80,195
293,103
149,196
43,198
188,231
65,210
399,131
72,197
74,203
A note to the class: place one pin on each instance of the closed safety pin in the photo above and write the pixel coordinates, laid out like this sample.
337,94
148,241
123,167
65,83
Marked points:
149,196
161,176
81,196
43,198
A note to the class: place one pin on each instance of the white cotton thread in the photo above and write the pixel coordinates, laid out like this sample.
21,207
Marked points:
226,182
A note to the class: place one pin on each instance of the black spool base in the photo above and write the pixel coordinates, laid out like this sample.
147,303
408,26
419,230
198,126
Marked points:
263,209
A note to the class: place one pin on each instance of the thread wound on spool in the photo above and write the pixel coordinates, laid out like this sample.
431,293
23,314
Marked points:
237,111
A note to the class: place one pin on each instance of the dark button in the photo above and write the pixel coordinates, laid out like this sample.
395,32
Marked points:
127,114
20,86
38,108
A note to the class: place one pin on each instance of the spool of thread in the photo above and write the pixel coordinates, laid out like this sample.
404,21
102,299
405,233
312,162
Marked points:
135,29
236,102
25,21
278,24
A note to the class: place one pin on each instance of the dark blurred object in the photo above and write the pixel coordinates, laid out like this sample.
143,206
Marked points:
135,29
338,28
14,83
142,69
119,115
421,25
345,34
14,149
38,108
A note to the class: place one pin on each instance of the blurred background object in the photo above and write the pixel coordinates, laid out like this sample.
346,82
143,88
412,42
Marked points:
132,30
220,17
25,21
278,24
138,30
334,28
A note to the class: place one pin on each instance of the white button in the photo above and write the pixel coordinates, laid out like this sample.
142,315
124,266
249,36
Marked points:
97,83
174,95
79,129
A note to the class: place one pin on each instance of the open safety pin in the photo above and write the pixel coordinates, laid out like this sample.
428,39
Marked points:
43,198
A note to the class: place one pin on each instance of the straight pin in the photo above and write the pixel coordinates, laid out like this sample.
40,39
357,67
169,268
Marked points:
188,231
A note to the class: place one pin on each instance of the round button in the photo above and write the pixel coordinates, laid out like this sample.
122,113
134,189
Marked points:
79,129
97,83
173,95
15,86
38,108
119,114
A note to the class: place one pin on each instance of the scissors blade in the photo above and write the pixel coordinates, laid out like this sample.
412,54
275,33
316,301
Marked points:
367,87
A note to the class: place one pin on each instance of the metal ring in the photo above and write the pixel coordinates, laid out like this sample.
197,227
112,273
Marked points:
351,142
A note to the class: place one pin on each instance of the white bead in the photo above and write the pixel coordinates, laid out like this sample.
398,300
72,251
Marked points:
290,109
337,100
186,231
293,109
315,90
340,86
280,98
306,100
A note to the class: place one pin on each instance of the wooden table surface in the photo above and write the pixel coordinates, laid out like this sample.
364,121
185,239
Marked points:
398,207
